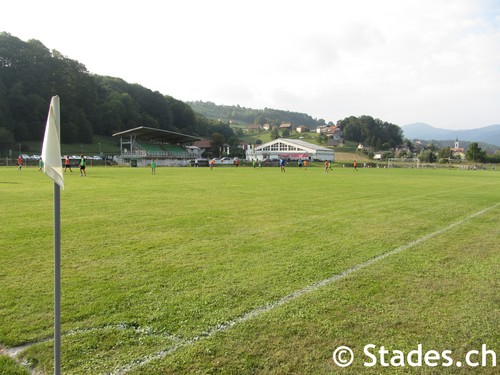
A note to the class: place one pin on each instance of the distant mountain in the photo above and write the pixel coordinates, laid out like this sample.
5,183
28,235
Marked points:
488,134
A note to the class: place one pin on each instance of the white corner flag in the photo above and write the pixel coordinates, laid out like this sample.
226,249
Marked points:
51,149
51,157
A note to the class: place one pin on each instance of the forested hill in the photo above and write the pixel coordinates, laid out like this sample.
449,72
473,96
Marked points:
30,74
244,115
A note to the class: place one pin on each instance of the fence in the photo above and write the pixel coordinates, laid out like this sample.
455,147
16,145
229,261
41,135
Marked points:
12,162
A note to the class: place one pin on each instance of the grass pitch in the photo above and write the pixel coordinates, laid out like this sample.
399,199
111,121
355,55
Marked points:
155,267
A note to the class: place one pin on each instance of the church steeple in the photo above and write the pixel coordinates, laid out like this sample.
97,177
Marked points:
457,145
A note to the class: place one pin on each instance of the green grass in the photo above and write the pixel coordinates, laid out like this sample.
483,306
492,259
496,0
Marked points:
10,367
107,145
152,261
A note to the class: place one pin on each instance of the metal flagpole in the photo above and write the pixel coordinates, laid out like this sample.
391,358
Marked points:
51,156
57,279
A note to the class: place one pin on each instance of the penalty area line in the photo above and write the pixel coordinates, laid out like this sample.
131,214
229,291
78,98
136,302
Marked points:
310,288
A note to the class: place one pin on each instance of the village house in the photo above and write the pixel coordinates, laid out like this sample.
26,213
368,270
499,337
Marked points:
321,129
335,135
286,125
205,146
254,128
334,132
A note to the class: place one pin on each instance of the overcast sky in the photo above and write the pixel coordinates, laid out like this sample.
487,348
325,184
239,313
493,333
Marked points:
403,61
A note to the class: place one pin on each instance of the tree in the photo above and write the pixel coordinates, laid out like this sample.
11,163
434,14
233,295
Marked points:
431,147
475,153
183,116
274,133
217,140
371,132
234,150
444,153
285,133
432,157
30,74
260,120
495,158
408,144
353,130
221,128
252,116
6,139
427,156
323,138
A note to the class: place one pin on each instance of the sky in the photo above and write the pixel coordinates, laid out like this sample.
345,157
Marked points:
402,61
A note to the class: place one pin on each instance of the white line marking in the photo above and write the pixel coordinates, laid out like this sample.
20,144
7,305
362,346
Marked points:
311,288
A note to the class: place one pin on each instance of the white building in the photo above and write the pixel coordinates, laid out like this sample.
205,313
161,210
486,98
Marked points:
321,129
292,149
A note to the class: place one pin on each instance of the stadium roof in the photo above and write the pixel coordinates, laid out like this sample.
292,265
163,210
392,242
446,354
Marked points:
156,135
295,142
290,148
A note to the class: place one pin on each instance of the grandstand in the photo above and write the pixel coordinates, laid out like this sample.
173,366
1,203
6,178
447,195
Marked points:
139,146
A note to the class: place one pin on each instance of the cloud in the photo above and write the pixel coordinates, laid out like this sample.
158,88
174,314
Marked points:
230,93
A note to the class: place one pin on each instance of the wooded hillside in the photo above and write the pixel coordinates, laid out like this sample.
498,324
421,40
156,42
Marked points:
30,74
242,115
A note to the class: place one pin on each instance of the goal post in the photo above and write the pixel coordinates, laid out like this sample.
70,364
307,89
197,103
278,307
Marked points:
403,163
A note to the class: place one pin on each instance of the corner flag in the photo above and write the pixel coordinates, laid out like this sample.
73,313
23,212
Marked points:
51,149
51,157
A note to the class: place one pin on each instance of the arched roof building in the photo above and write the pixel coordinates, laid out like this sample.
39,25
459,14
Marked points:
293,149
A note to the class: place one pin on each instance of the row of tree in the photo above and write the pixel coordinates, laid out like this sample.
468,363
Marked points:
30,74
474,154
433,154
374,133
